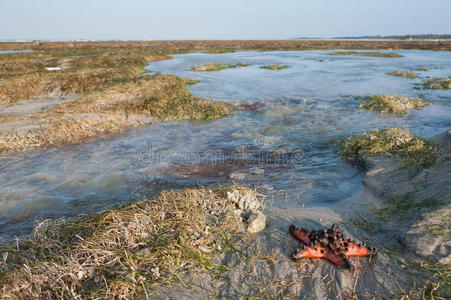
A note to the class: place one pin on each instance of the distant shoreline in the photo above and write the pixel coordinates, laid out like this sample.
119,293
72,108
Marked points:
178,46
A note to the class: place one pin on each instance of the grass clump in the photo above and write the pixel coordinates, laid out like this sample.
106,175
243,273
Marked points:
216,67
372,54
403,74
275,67
174,101
392,104
437,83
422,69
414,150
123,252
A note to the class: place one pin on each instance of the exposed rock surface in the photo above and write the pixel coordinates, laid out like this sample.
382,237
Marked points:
429,193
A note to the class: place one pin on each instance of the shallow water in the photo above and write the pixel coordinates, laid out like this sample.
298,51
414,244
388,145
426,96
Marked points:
283,147
15,51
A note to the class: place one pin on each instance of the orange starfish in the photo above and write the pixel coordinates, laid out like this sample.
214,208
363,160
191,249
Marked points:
329,244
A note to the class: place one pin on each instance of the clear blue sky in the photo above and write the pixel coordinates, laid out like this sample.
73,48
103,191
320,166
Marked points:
225,19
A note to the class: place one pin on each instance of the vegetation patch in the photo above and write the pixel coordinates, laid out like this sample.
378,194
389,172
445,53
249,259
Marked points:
112,95
216,67
414,150
403,74
25,77
392,104
372,54
124,252
437,277
129,104
403,208
439,280
220,51
183,46
275,67
437,83
422,69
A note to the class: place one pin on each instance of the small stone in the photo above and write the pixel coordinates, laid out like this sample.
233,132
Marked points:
256,222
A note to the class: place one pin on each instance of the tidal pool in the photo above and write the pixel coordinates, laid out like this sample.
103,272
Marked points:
281,146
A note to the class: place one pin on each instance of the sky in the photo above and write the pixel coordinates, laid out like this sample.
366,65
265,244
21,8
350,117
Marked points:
212,19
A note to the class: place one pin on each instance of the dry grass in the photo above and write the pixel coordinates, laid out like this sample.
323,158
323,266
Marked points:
164,47
414,150
112,95
66,129
12,65
120,253
158,96
54,84
391,104
27,78
124,105
403,74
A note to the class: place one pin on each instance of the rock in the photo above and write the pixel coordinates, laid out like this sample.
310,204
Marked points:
444,141
256,222
430,236
421,222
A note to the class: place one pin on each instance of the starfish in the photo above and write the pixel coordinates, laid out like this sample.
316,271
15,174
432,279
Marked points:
329,244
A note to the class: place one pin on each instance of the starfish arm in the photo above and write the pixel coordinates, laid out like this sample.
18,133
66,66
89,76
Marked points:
356,250
338,260
321,252
299,234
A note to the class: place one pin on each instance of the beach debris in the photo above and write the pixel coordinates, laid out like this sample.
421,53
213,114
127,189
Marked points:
245,200
247,206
